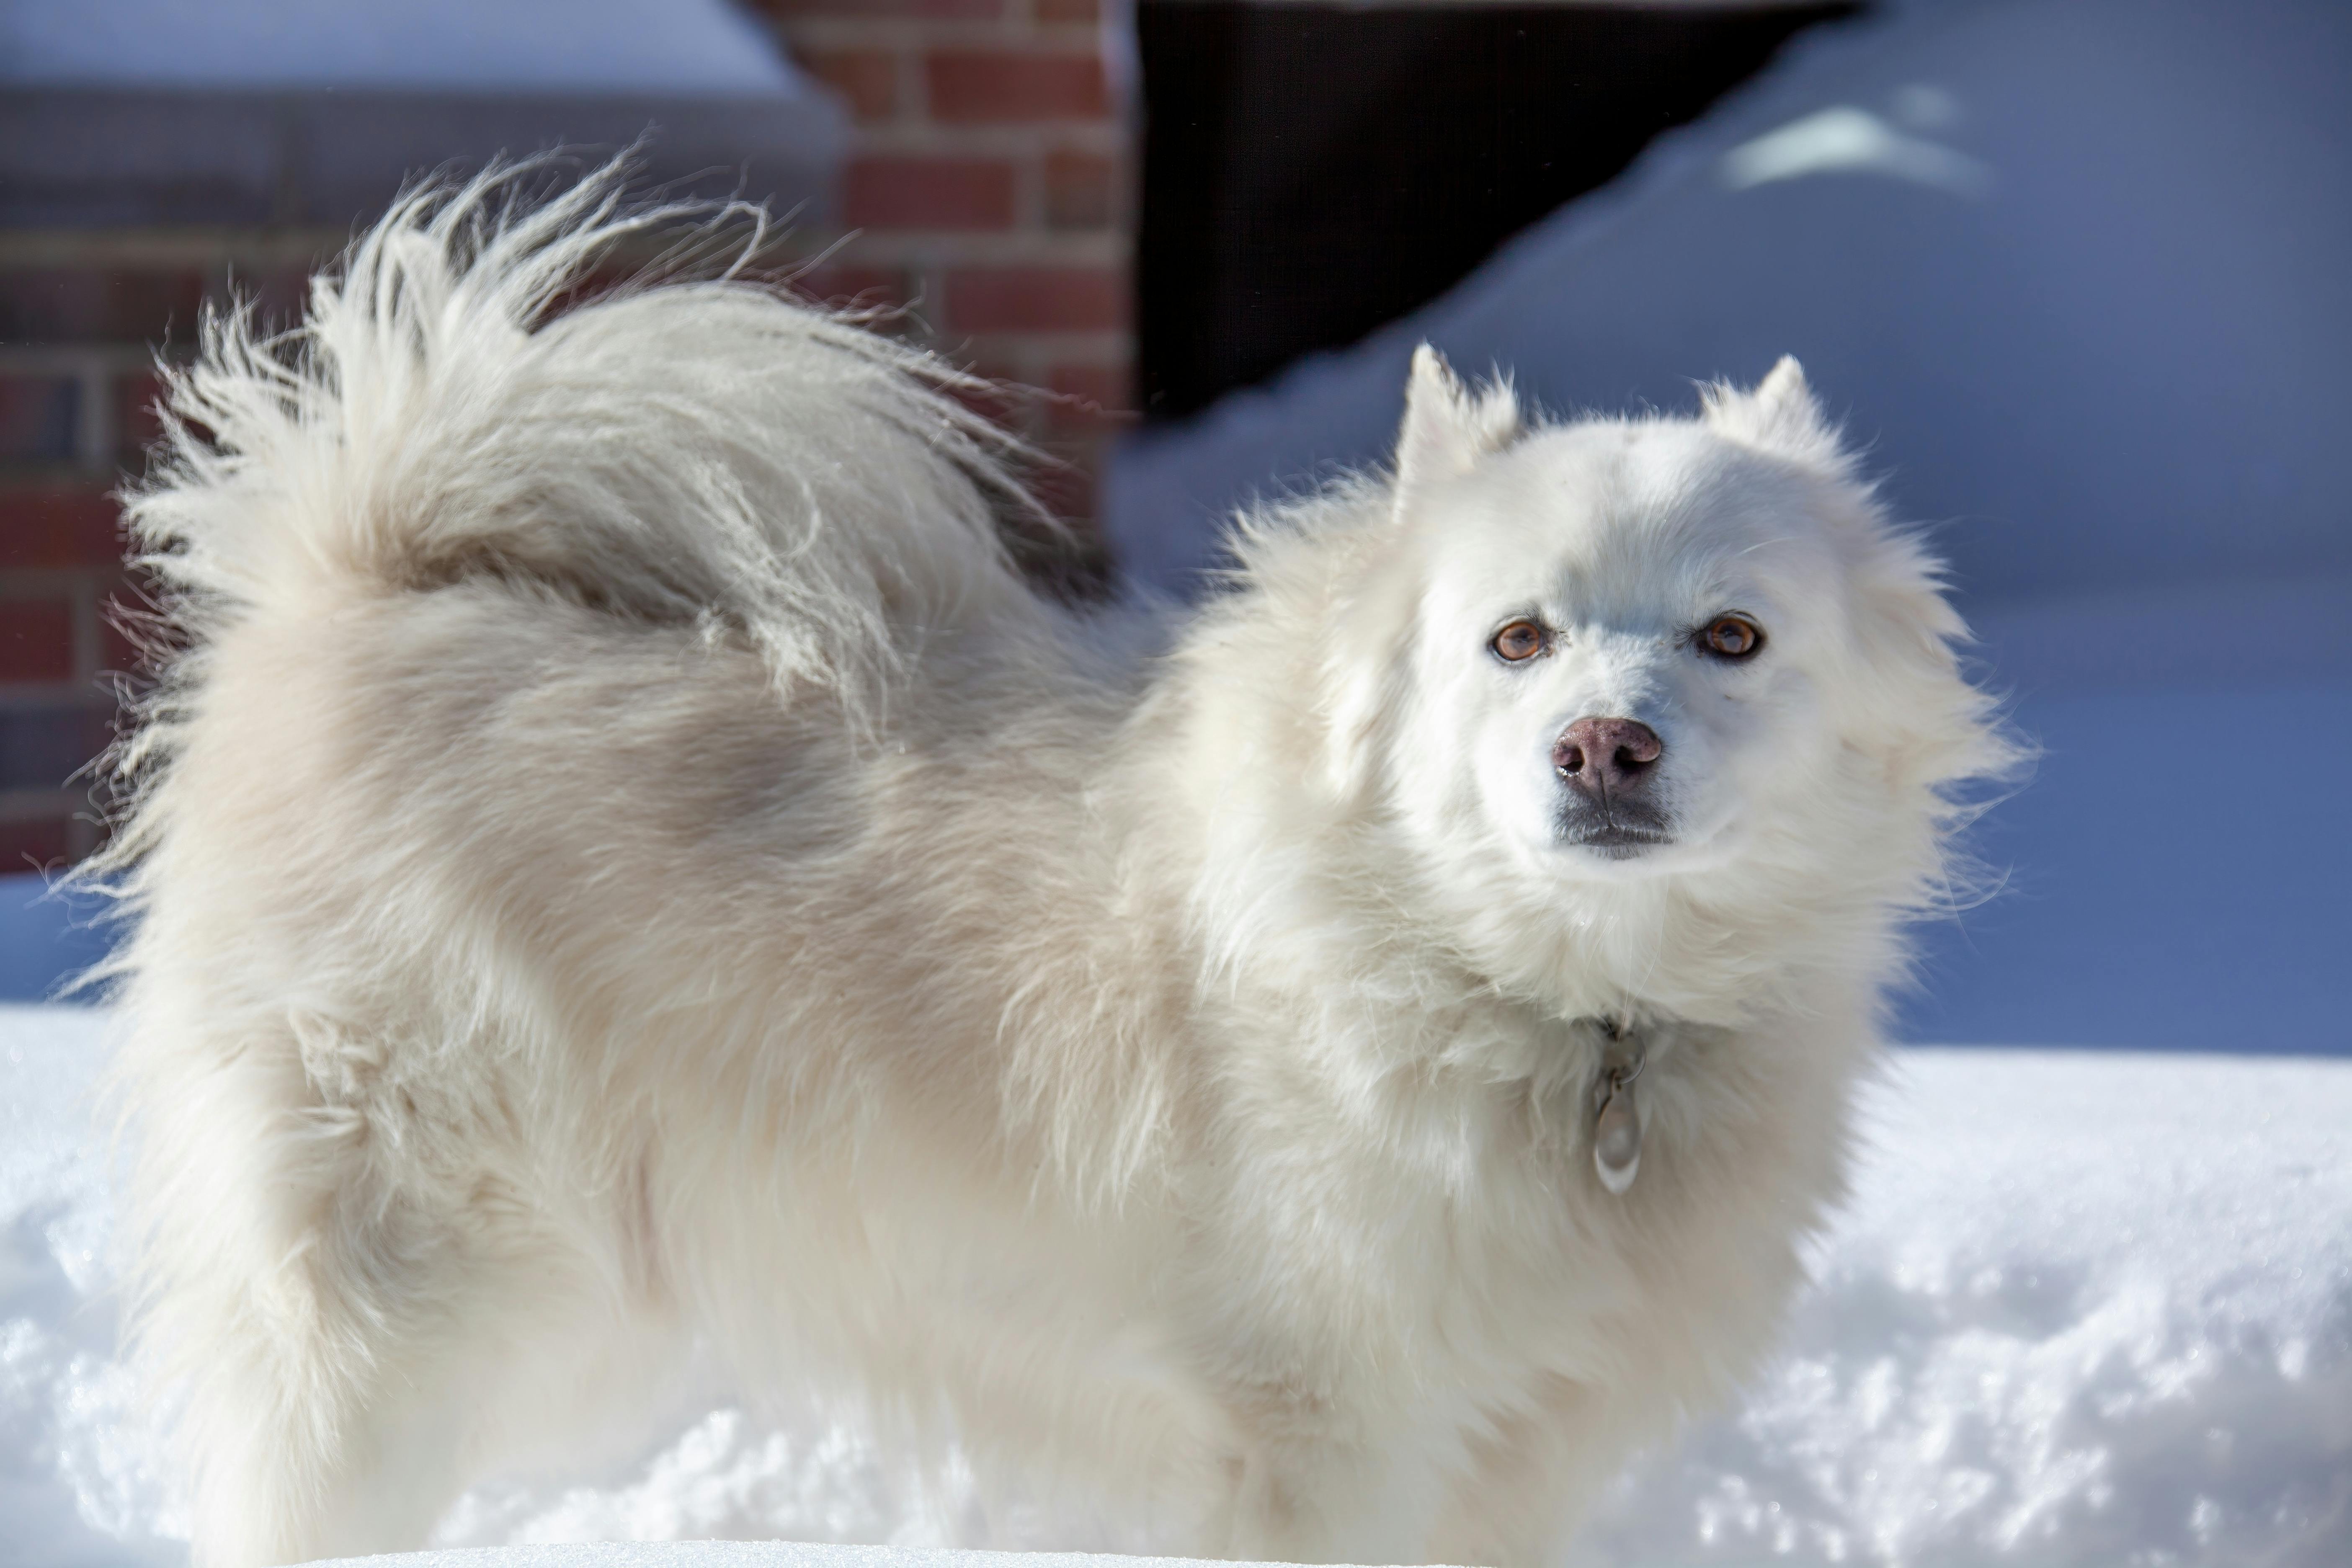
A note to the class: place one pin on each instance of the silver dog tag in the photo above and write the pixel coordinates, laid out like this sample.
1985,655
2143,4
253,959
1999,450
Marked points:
1617,1123
1617,1140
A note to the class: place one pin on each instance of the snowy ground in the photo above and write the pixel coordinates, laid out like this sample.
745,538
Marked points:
2088,1309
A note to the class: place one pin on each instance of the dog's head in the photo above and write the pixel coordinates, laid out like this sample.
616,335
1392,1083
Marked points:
1632,650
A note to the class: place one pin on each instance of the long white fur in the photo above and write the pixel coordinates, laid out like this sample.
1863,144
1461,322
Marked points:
624,869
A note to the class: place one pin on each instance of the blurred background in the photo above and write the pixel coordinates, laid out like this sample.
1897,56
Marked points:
2077,274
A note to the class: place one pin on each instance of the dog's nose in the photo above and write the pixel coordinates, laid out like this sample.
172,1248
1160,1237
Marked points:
1606,756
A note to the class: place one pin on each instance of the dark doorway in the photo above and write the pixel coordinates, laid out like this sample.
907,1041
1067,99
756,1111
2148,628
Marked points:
1313,171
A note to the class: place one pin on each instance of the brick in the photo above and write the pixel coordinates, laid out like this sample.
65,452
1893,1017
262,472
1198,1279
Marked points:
280,295
866,80
130,601
1004,399
1090,399
997,396
37,637
34,844
1078,190
847,286
116,650
46,307
37,418
87,305
155,307
136,424
927,193
1004,87
58,526
1068,10
1108,386
1036,299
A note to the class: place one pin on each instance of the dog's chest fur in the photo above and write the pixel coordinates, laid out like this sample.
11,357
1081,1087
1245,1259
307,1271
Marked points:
1445,1245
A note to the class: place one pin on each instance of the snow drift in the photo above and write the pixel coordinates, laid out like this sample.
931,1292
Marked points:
2083,1308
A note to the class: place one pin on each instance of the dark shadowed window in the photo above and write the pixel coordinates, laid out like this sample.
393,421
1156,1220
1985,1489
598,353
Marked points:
1312,171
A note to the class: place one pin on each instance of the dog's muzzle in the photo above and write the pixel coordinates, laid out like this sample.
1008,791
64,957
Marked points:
1609,767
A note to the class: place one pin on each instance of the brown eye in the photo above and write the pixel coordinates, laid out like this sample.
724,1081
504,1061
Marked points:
1732,637
1519,641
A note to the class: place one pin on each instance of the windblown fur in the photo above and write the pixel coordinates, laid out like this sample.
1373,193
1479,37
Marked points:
623,870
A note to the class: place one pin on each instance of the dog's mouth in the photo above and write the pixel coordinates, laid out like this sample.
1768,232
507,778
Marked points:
1624,830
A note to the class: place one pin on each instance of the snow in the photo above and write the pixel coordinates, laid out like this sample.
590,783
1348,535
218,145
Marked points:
160,112
49,932
508,46
2083,1308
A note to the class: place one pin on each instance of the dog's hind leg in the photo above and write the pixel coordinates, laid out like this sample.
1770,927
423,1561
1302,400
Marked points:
347,1316
268,1301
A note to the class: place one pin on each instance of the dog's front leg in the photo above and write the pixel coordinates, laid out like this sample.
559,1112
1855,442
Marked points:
1532,1476
1333,1502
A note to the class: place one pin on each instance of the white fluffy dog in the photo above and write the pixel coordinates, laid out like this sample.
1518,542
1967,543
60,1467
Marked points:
624,868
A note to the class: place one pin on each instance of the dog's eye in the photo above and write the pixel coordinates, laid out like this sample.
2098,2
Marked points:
1732,637
1519,641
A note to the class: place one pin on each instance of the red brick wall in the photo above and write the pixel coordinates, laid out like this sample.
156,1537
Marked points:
988,193
989,190
82,317
71,361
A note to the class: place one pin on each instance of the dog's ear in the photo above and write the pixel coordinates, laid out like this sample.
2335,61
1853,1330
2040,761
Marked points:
1448,428
1780,415
1785,410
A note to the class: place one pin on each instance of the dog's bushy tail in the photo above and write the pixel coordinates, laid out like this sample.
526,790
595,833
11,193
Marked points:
705,451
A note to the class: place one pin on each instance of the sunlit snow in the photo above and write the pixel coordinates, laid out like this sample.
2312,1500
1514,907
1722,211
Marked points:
2086,1308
